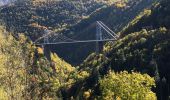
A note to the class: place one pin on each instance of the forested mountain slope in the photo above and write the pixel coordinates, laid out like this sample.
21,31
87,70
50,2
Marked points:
25,73
28,15
78,18
116,17
128,69
145,49
157,17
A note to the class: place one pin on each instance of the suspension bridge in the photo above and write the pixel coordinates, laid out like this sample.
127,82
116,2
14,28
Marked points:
102,34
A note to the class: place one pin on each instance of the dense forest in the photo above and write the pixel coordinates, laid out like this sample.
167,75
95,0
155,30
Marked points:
134,67
73,18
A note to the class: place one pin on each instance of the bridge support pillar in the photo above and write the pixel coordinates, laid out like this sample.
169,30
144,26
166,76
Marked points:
99,44
46,48
47,51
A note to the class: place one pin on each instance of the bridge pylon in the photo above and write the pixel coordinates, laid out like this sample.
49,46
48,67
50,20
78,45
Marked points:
99,44
46,48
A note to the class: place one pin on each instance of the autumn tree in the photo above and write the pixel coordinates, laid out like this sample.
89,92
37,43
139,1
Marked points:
127,86
12,67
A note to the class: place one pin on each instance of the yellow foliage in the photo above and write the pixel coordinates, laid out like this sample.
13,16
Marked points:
22,38
120,4
86,95
61,63
83,74
125,86
3,94
147,12
63,70
37,2
40,50
12,67
118,98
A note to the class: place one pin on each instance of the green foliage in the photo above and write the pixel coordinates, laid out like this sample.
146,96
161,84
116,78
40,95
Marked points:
152,18
43,82
33,16
126,86
12,67
142,16
25,72
114,17
93,61
62,70
136,50
146,47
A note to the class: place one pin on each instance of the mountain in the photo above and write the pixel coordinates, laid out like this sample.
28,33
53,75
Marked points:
76,19
143,47
134,67
34,15
115,17
25,67
153,19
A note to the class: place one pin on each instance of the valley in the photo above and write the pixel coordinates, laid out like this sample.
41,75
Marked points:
133,66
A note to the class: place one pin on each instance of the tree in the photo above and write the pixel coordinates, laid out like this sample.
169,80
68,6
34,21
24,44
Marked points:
12,67
126,86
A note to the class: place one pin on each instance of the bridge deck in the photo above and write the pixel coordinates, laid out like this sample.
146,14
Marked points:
73,42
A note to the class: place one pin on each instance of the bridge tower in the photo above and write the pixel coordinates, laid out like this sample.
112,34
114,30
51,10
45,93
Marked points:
45,46
99,44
